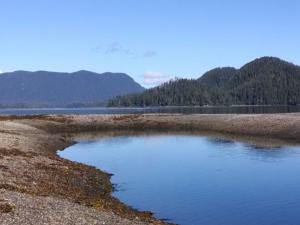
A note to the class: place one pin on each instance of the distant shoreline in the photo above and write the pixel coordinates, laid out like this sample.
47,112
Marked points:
33,173
235,109
138,107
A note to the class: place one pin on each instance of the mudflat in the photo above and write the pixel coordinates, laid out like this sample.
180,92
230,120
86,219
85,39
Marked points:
38,187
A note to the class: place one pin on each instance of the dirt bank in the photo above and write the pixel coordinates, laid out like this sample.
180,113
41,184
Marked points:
38,187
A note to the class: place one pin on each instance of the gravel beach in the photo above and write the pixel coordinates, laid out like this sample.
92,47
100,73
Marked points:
38,187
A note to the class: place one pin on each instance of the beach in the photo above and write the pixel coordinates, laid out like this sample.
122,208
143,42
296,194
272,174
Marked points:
39,187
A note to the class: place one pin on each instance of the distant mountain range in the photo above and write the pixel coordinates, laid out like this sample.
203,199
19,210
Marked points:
53,89
264,81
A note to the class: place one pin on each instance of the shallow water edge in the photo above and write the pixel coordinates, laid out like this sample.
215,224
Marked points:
153,171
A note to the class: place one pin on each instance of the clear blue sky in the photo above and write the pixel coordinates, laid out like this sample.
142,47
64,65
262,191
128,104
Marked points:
151,40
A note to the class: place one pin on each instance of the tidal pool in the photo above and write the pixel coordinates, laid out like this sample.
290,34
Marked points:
199,180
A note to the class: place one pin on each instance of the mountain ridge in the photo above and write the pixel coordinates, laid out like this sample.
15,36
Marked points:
263,81
61,89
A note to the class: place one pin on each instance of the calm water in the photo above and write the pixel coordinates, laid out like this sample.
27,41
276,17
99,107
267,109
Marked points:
186,110
200,180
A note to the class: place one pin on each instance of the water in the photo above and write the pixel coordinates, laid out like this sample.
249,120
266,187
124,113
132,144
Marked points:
200,180
185,110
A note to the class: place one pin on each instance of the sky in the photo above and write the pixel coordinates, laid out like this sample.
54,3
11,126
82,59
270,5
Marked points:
150,40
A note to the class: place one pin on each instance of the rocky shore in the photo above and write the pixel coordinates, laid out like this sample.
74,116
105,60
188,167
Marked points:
38,187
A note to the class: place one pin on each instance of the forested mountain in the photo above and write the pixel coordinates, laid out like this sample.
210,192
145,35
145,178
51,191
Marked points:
264,81
52,89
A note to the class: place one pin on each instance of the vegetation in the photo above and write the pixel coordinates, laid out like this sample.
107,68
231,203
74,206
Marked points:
265,81
53,89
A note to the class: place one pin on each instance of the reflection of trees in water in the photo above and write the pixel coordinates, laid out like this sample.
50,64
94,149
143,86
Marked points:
118,140
230,147
221,141
271,154
259,151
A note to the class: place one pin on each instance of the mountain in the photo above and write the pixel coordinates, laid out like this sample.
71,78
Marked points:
264,81
53,89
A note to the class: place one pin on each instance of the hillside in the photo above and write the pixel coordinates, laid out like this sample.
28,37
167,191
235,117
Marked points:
53,89
264,81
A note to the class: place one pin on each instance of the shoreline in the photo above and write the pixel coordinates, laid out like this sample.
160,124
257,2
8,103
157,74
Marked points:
32,173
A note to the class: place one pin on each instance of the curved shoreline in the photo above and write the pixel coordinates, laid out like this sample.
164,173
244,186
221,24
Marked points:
31,172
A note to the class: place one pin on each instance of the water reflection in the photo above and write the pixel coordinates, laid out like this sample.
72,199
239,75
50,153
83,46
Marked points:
221,141
270,154
198,179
